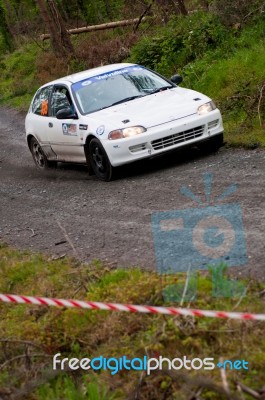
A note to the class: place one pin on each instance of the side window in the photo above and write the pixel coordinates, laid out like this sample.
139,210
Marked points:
40,104
61,99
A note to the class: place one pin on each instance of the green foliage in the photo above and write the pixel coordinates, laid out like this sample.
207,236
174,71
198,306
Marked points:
234,80
66,388
237,11
181,42
19,66
102,11
83,333
90,11
227,65
6,42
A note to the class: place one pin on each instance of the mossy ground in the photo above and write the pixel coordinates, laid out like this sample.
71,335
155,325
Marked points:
83,333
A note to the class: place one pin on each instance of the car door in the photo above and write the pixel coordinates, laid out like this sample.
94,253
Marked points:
64,135
38,122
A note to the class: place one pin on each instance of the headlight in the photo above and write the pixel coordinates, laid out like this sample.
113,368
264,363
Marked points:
206,108
126,132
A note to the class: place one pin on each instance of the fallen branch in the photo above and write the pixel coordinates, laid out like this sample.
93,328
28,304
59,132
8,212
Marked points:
74,251
68,238
249,391
92,28
141,18
32,385
25,342
224,379
260,9
42,355
199,381
259,103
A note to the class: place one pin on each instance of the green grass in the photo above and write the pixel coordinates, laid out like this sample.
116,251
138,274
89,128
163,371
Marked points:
235,84
83,333
18,80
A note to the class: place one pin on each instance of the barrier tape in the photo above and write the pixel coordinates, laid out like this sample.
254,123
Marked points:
44,301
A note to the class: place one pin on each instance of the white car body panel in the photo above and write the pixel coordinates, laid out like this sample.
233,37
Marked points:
155,109
169,116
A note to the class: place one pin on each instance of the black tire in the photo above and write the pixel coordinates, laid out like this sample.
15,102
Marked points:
39,156
213,144
99,161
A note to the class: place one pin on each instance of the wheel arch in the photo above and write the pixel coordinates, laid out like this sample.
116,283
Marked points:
86,147
29,138
90,162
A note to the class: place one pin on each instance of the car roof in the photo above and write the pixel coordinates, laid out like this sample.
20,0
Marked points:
79,76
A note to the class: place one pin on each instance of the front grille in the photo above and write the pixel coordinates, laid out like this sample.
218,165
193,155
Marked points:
176,138
137,147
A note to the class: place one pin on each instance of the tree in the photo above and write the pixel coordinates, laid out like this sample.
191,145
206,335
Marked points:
52,18
168,7
5,29
182,7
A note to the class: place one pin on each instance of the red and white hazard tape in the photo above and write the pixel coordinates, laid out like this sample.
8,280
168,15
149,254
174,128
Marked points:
44,301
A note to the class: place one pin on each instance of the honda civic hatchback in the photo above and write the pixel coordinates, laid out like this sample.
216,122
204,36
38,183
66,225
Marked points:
117,114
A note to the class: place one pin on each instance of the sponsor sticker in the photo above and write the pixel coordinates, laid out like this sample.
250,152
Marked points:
44,107
86,83
83,127
69,129
100,130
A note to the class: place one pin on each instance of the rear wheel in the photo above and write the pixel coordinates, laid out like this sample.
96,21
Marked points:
99,161
39,156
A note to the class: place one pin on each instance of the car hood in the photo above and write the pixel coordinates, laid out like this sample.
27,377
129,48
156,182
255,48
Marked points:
153,109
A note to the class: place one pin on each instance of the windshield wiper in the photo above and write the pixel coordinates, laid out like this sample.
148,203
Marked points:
127,99
161,89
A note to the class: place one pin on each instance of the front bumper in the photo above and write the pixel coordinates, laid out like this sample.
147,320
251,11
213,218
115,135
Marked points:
190,130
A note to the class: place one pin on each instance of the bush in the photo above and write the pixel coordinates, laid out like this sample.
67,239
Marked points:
182,41
237,11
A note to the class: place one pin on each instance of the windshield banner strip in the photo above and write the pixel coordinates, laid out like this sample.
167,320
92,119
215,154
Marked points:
106,75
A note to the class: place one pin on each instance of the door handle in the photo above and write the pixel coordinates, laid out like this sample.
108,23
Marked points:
50,124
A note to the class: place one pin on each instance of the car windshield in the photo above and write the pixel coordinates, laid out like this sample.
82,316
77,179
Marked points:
115,87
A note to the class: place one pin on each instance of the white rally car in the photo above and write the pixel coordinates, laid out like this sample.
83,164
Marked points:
116,114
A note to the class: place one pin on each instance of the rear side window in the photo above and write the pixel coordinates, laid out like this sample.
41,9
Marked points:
41,101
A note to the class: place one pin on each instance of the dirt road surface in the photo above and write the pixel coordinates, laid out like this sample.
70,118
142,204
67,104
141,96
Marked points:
112,221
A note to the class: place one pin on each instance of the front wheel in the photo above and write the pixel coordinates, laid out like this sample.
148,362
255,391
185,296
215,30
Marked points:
39,156
99,161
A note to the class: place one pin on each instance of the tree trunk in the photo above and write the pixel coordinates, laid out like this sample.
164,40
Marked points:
108,9
60,40
61,29
182,7
5,30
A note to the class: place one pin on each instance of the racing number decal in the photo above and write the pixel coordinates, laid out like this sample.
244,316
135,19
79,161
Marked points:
44,107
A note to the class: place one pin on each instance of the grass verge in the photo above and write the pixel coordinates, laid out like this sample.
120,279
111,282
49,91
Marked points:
31,335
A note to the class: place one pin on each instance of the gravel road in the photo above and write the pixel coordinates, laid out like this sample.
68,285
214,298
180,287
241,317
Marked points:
112,221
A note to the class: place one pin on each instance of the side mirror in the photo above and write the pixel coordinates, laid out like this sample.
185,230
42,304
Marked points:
177,79
66,113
